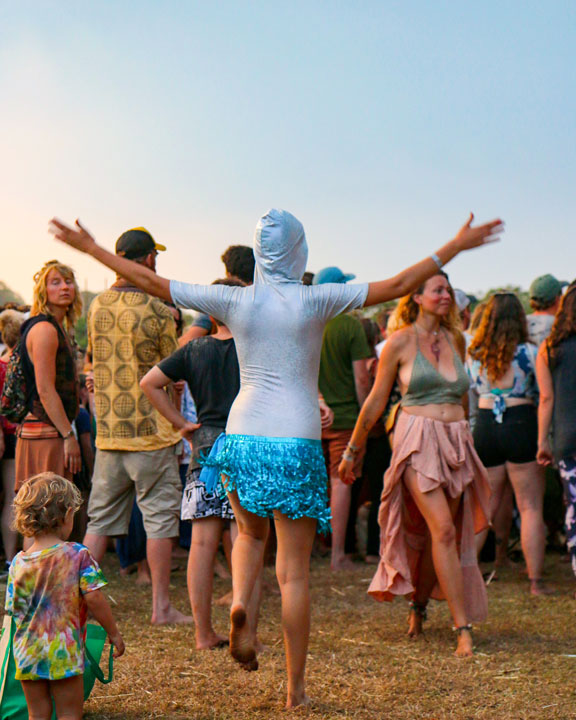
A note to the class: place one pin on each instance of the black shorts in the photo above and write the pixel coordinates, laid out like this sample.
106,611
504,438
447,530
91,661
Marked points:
514,440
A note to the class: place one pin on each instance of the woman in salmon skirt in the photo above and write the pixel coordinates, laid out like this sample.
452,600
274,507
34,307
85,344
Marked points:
436,491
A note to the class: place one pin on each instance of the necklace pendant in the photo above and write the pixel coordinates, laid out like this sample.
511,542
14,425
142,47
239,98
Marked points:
435,348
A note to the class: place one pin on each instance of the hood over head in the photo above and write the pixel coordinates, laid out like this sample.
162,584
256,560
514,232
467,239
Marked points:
280,248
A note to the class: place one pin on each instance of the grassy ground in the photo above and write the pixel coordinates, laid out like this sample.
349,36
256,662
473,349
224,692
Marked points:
360,663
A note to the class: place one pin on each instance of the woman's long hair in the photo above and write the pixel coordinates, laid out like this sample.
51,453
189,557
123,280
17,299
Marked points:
501,329
40,298
407,310
564,325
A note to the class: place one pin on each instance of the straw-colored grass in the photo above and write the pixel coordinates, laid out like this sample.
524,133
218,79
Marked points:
360,664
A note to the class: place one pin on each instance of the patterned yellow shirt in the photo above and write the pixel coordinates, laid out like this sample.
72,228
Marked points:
129,332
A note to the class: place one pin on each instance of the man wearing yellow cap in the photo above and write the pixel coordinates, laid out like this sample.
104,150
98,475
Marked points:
129,332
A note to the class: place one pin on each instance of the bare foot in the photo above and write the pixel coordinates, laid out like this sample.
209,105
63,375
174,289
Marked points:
539,587
171,616
465,646
241,642
143,578
415,622
343,563
211,642
225,600
297,700
124,572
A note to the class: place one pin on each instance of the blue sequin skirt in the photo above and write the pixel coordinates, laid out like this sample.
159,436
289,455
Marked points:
271,473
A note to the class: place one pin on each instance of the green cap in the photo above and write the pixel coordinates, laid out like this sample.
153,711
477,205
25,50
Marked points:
545,289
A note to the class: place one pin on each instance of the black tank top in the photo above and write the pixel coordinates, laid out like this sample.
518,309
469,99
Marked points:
563,369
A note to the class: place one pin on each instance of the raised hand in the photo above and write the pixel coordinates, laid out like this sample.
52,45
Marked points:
77,237
469,237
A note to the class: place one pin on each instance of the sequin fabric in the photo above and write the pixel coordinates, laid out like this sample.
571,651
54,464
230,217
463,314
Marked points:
269,473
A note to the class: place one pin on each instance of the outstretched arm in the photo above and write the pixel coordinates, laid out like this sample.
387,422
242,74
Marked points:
468,237
80,239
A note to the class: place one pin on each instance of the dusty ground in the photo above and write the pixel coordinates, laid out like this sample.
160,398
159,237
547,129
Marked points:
360,664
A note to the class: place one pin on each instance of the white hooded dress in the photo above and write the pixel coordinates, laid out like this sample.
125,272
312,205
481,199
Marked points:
277,324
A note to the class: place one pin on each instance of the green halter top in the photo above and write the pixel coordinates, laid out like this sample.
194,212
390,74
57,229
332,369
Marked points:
428,386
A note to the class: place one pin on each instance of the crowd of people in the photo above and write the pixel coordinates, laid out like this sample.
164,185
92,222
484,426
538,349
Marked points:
279,401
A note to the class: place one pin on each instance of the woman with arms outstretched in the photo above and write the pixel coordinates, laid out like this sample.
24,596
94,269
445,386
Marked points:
436,492
272,461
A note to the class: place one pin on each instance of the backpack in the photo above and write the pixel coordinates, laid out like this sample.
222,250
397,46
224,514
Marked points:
17,389
15,392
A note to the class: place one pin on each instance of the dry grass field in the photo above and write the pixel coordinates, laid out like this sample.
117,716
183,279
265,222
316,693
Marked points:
360,663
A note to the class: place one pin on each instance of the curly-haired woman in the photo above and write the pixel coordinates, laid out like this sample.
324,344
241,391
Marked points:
556,374
46,440
501,365
436,491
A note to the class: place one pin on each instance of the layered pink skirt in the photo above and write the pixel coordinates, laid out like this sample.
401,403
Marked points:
442,455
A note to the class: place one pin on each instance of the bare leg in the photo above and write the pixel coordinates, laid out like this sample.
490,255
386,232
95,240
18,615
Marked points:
502,513
68,697
253,609
9,536
498,480
205,538
295,541
528,483
143,573
97,545
38,699
437,512
340,506
426,581
247,558
159,554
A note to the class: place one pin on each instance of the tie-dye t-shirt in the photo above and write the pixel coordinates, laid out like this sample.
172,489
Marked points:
45,597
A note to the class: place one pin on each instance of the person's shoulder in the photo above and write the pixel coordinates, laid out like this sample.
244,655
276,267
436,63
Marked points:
158,306
42,326
399,341
77,550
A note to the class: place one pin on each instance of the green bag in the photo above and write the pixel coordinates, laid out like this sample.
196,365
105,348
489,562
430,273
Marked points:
12,700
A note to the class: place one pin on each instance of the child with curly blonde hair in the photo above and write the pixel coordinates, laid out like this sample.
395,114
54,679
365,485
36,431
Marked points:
51,587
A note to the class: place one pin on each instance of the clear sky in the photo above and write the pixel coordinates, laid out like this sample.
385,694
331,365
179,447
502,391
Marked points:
379,124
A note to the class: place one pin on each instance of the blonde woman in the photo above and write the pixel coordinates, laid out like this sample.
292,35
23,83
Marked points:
436,491
46,440
502,367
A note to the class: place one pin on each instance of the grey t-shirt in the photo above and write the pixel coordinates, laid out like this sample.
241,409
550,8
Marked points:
277,328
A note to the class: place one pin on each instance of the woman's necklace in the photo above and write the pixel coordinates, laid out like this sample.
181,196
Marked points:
435,344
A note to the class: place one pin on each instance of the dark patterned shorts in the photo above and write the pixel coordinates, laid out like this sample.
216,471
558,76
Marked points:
198,504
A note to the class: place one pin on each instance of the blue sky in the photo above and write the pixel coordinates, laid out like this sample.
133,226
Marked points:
378,124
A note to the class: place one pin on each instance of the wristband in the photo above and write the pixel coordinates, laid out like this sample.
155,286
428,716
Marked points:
437,261
348,458
69,434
